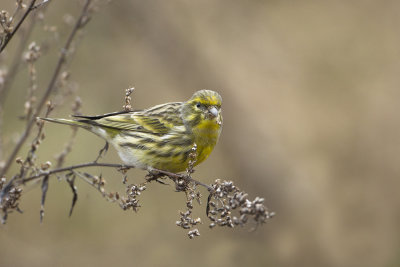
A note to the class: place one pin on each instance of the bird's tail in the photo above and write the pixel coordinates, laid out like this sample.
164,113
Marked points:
77,123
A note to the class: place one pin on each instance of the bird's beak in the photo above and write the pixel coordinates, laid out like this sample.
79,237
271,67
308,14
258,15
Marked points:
213,111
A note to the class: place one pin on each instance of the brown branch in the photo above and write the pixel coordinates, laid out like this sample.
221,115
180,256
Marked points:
173,176
83,19
73,167
9,36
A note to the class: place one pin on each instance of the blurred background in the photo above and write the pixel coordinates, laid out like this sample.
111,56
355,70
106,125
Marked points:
311,123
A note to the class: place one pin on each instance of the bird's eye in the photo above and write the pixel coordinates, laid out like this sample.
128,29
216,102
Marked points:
198,105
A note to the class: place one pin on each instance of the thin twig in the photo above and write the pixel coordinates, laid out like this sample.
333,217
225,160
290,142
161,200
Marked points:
83,19
9,36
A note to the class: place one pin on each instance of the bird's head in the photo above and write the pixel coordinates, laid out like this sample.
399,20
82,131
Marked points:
203,107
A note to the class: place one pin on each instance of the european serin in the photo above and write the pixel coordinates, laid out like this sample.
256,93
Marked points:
160,137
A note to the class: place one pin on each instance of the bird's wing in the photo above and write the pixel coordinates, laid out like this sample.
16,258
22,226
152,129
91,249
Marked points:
157,120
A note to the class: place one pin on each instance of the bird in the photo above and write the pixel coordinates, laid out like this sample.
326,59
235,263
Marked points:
161,137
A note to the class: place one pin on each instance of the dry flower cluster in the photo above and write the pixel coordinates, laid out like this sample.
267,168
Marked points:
226,205
10,200
226,198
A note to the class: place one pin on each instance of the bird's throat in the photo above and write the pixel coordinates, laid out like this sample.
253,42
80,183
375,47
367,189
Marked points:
206,135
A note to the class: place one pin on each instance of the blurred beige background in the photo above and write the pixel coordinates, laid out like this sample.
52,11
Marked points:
311,122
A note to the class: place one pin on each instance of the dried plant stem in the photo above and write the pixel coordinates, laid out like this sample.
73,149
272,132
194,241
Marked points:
173,176
128,105
83,19
9,36
73,167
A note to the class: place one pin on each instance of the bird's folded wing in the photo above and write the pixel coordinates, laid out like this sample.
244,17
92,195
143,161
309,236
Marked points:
137,123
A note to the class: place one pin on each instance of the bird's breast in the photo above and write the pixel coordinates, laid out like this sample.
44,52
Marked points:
206,135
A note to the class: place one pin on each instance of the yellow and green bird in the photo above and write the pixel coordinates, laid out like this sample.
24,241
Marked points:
160,137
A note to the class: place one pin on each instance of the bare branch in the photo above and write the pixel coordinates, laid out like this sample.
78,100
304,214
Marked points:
73,167
173,176
227,205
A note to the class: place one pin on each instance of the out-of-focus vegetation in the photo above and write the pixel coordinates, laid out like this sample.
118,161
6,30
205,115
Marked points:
311,122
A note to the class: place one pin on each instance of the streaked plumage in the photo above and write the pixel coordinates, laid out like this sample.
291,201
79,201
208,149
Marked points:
162,136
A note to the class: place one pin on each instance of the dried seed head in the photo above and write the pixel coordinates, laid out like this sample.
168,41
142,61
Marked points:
19,160
33,53
127,106
193,233
227,199
46,165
